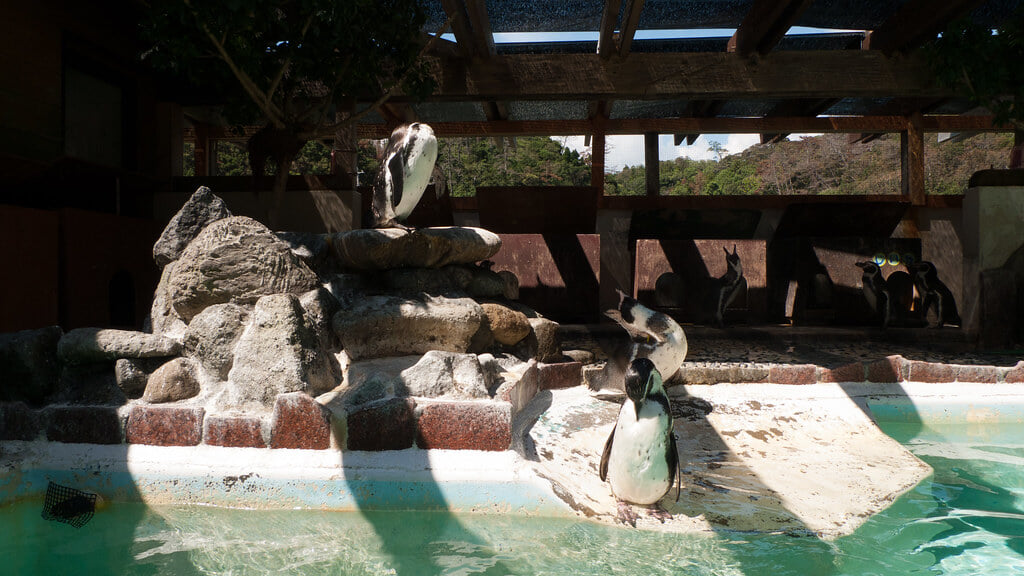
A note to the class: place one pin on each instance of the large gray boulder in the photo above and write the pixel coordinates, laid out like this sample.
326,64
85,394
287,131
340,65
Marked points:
436,374
28,364
203,208
163,319
96,345
387,248
212,335
236,260
376,326
278,353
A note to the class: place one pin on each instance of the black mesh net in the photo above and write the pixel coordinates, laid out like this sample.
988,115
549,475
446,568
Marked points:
68,505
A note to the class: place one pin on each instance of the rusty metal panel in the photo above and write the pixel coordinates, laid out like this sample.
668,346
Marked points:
680,277
559,274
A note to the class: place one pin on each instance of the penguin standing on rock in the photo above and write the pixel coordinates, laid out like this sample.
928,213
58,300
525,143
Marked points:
640,460
404,174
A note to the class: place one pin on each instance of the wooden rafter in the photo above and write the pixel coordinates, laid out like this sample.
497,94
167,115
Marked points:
630,22
914,23
606,46
461,26
718,125
808,107
897,106
765,24
687,76
483,39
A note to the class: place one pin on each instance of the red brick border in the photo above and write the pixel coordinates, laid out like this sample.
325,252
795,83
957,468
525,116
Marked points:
300,422
559,375
383,425
234,431
164,425
83,424
465,426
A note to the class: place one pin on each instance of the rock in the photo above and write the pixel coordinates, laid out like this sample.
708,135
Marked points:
28,364
174,381
92,345
387,248
582,356
236,260
203,208
88,384
278,353
511,290
542,343
163,318
508,326
320,306
212,335
485,283
132,374
377,326
446,375
436,374
448,281
503,371
311,248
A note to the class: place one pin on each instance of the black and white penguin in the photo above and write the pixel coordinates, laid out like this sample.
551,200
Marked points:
655,335
730,285
875,291
640,460
404,174
934,293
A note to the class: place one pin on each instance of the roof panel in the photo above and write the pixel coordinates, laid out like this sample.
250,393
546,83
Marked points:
671,14
630,109
450,112
547,110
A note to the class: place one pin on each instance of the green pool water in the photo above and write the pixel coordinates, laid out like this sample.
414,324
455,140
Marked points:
967,519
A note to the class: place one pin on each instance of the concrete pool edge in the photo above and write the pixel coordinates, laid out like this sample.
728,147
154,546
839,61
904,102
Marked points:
460,481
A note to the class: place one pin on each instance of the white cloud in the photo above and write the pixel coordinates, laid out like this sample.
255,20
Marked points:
628,150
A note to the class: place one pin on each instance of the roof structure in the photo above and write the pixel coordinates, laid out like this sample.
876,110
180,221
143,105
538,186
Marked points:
686,67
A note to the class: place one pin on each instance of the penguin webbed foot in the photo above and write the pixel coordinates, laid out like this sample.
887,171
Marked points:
660,513
626,514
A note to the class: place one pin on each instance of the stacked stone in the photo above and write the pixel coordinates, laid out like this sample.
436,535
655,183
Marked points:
366,340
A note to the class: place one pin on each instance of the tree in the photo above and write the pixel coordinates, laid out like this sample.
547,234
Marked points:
293,65
984,65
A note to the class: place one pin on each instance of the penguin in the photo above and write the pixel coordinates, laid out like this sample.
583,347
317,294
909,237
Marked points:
404,174
934,293
730,284
655,335
876,292
640,459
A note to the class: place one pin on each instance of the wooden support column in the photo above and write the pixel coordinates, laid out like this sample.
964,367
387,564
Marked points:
597,149
652,167
345,154
1017,153
203,150
912,161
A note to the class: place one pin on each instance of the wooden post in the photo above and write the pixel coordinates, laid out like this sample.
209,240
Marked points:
597,149
345,154
651,163
202,150
912,161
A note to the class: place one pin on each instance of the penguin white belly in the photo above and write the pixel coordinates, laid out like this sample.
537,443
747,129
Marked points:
637,467
669,355
417,176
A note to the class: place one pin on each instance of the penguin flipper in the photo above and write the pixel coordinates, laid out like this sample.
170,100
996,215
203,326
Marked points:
673,464
602,470
397,169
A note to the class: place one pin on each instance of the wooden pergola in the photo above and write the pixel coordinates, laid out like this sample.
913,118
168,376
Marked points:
860,74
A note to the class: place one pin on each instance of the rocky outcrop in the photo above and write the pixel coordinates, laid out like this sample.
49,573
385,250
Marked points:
200,210
212,335
507,326
28,364
236,260
376,326
174,381
389,248
278,353
93,345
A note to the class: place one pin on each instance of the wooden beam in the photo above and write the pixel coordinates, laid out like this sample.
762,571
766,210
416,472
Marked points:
606,34
764,25
718,125
916,22
461,27
687,76
630,22
912,161
483,38
801,107
652,166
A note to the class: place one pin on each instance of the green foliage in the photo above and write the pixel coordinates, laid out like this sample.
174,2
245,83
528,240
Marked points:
288,62
984,65
821,165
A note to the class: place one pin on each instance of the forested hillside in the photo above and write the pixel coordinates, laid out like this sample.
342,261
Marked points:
819,165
